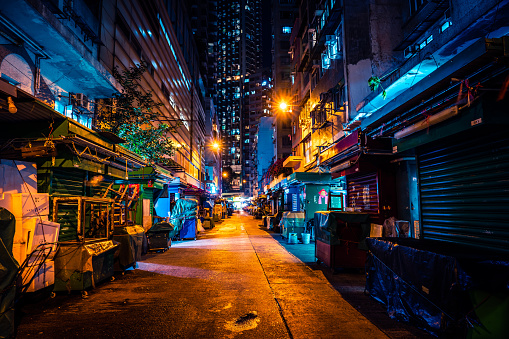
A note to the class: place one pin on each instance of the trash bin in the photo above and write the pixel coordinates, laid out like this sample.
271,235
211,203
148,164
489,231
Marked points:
159,236
188,230
130,240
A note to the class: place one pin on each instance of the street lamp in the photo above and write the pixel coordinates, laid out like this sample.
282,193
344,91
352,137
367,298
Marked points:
225,175
215,146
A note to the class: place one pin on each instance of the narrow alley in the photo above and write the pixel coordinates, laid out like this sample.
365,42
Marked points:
234,280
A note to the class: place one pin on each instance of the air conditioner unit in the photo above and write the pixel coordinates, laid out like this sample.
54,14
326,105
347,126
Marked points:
81,100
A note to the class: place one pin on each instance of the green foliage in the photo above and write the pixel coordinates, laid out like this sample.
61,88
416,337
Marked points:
374,82
132,116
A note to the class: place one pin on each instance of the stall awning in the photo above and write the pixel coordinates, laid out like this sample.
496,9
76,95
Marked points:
347,166
193,190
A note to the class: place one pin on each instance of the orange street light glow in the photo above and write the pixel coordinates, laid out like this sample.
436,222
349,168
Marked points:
283,105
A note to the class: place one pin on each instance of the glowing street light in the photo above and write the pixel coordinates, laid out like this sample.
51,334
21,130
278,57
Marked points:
225,174
283,106
215,145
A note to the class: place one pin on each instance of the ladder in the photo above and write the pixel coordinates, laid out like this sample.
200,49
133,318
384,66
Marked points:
125,205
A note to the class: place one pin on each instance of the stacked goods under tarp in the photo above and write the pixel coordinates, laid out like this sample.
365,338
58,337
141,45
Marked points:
131,240
82,265
183,218
451,291
340,238
159,236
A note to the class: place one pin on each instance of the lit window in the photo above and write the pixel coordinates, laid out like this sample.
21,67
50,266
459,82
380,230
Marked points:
286,30
325,60
445,25
332,47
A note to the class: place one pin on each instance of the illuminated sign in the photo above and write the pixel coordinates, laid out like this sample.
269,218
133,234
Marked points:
323,194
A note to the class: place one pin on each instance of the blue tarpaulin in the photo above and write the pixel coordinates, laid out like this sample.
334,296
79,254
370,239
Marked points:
429,284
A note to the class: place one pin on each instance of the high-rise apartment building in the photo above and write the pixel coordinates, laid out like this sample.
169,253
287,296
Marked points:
259,94
238,43
283,17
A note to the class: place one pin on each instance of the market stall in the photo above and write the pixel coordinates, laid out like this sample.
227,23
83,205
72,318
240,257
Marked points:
292,223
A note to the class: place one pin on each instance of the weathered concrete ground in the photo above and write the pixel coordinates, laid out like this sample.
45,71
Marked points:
235,280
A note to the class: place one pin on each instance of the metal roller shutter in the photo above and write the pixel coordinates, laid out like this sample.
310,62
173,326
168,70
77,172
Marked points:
464,191
362,193
67,182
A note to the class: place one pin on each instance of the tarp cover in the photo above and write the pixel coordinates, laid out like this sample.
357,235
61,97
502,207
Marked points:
78,257
334,227
184,209
428,284
293,219
8,271
7,228
130,239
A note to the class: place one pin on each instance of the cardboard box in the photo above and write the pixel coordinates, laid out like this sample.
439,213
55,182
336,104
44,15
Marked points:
376,231
17,176
19,252
24,205
37,231
43,276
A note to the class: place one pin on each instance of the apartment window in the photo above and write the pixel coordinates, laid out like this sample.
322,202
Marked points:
307,150
326,63
286,30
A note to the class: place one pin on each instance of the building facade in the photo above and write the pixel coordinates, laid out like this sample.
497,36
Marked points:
72,71
239,30
395,105
282,22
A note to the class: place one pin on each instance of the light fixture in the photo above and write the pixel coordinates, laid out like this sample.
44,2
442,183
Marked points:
423,124
283,105
12,107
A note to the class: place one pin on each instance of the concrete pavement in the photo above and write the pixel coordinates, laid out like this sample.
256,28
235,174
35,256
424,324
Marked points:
236,280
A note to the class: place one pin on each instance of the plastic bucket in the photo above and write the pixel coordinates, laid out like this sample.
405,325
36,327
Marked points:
292,238
305,238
